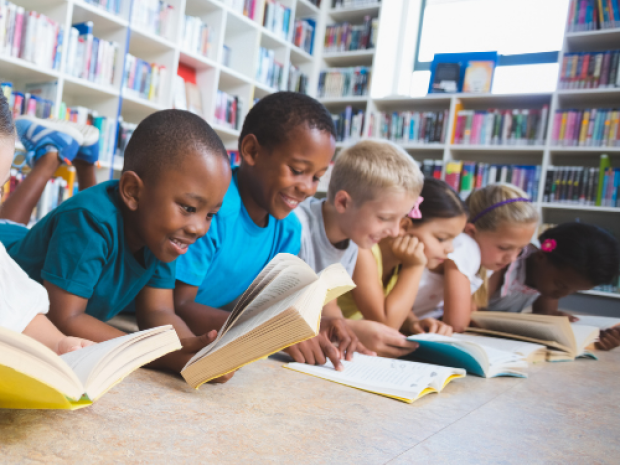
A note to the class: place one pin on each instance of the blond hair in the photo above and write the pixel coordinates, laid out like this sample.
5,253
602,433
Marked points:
519,212
372,166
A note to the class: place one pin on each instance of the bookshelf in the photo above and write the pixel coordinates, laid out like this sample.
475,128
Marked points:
543,153
228,27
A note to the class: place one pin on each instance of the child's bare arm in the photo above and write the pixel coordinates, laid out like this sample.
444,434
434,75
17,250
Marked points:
155,307
44,331
608,339
200,318
548,306
457,298
67,312
391,310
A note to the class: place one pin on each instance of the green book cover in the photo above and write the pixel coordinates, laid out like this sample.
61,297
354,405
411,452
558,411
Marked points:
604,164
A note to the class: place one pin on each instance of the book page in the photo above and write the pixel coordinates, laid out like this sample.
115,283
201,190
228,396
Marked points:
600,322
584,335
390,377
544,328
84,361
507,345
337,280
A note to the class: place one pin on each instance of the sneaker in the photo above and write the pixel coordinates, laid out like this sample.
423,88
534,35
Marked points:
89,148
39,136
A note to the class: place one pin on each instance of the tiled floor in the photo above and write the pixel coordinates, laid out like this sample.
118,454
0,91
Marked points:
563,413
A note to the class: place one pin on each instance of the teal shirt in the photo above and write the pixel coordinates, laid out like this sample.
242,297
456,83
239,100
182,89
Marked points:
224,263
81,248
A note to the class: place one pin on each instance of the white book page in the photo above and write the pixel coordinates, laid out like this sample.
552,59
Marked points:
337,281
85,361
387,376
584,335
601,322
507,345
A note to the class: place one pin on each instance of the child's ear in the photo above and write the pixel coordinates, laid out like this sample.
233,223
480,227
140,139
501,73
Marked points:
249,149
131,187
470,230
342,201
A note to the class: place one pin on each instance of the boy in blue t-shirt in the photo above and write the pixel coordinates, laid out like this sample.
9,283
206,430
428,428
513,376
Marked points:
117,241
286,144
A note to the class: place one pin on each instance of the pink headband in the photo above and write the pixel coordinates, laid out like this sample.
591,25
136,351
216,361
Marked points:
415,212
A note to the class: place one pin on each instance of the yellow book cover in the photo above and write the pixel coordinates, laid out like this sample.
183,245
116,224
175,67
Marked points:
32,376
563,127
583,134
478,77
68,174
457,108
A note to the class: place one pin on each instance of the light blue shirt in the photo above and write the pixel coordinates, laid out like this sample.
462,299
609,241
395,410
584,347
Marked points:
224,263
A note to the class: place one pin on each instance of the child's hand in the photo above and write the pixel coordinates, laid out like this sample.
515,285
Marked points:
384,340
70,344
431,325
608,339
409,251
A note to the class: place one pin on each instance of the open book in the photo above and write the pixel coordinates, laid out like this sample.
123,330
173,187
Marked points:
389,377
487,357
33,376
280,308
600,322
566,341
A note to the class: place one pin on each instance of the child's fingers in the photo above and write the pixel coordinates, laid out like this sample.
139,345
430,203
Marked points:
331,353
294,352
222,379
194,344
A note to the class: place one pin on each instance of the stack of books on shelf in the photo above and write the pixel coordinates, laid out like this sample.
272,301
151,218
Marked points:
111,6
297,81
197,36
153,16
269,71
89,57
345,37
465,176
432,168
590,15
344,82
235,159
597,127
243,7
277,18
349,124
144,80
228,110
30,36
587,186
404,127
590,70
125,131
303,36
353,3
32,102
501,127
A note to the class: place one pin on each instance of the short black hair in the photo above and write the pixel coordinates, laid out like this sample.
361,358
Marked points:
162,140
7,127
273,118
587,249
440,201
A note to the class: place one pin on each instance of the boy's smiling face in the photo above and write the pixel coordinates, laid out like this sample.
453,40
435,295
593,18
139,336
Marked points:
171,210
275,180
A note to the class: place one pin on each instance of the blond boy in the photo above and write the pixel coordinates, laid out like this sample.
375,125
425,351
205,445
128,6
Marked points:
374,184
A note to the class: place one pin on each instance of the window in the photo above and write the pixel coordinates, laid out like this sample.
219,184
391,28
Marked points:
527,34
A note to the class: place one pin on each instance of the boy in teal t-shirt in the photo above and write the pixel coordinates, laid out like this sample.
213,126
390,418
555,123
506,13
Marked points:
286,144
116,242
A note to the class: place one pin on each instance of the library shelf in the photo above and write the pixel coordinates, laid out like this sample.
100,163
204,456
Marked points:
17,69
83,11
145,42
300,54
349,58
197,61
225,131
611,295
272,40
497,148
354,13
85,88
135,105
583,150
305,8
585,208
232,77
606,96
350,100
593,39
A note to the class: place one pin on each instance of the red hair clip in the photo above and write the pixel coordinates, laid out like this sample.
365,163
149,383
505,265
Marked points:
548,245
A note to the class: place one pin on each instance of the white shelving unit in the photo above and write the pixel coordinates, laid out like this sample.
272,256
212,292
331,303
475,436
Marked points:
243,35
544,155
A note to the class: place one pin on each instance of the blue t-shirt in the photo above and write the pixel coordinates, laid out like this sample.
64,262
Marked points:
235,250
81,248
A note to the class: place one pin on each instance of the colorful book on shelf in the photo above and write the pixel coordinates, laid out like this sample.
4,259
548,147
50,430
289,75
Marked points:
565,341
398,379
487,357
447,68
34,377
281,307
478,77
